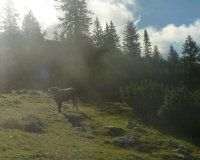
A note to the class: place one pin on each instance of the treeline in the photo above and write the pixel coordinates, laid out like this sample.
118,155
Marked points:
92,60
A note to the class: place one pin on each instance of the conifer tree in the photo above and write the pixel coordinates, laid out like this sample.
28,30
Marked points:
56,35
191,51
106,34
147,45
173,56
131,44
9,17
113,38
31,28
75,21
97,34
156,54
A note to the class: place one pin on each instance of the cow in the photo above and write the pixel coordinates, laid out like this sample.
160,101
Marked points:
63,95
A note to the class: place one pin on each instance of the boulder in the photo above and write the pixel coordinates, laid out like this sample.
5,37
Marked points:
173,144
128,139
111,127
23,91
34,93
130,125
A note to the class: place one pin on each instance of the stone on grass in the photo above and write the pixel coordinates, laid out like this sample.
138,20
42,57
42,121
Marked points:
130,125
180,156
34,93
128,139
137,129
23,91
111,127
173,144
32,124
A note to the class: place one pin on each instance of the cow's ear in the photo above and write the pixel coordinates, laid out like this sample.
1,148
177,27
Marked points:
49,89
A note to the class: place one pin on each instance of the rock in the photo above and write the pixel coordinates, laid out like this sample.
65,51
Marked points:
134,157
128,139
23,91
173,144
34,93
180,156
137,128
111,127
130,125
32,124
179,150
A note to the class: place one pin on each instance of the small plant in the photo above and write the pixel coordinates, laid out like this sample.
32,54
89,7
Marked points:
11,123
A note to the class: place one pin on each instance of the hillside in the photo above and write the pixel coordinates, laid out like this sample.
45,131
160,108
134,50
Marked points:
31,128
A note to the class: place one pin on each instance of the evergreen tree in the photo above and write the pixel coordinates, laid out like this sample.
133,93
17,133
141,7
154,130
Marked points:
156,54
191,51
190,61
97,35
147,45
56,35
131,44
113,38
106,34
31,28
9,18
75,22
173,56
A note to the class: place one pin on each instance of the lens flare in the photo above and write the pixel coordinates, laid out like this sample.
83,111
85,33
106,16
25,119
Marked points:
44,74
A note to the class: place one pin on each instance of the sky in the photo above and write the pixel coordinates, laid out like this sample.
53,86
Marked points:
166,21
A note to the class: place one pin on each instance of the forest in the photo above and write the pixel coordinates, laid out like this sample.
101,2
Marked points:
94,61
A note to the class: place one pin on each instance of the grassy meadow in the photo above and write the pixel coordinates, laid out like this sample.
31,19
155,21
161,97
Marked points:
74,135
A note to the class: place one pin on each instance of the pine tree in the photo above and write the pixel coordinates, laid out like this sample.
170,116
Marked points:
173,56
190,61
106,34
56,35
75,22
9,18
97,34
113,38
131,44
147,45
191,51
156,54
31,28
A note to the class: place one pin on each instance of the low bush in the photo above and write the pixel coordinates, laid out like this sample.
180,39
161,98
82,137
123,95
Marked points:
145,97
181,109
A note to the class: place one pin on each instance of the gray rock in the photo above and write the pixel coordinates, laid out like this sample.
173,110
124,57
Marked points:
34,93
111,127
180,156
23,91
179,150
130,125
173,144
137,128
134,157
128,139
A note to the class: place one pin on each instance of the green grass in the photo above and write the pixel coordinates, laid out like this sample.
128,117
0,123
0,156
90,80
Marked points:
75,135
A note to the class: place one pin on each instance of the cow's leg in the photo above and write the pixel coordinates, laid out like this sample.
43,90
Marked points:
59,106
73,102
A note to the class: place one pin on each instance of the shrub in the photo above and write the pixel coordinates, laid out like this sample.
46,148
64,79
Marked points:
181,108
145,97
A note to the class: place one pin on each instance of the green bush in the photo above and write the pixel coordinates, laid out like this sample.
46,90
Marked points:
181,108
145,97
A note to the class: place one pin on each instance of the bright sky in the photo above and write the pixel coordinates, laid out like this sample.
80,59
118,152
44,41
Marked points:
167,21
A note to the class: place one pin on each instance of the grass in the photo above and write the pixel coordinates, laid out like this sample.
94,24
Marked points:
74,135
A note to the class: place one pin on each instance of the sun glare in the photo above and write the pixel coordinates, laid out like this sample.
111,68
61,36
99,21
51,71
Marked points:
43,10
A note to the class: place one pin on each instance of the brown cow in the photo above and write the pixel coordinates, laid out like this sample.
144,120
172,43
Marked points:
63,95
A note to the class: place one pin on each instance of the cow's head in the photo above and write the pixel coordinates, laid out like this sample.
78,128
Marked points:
53,90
